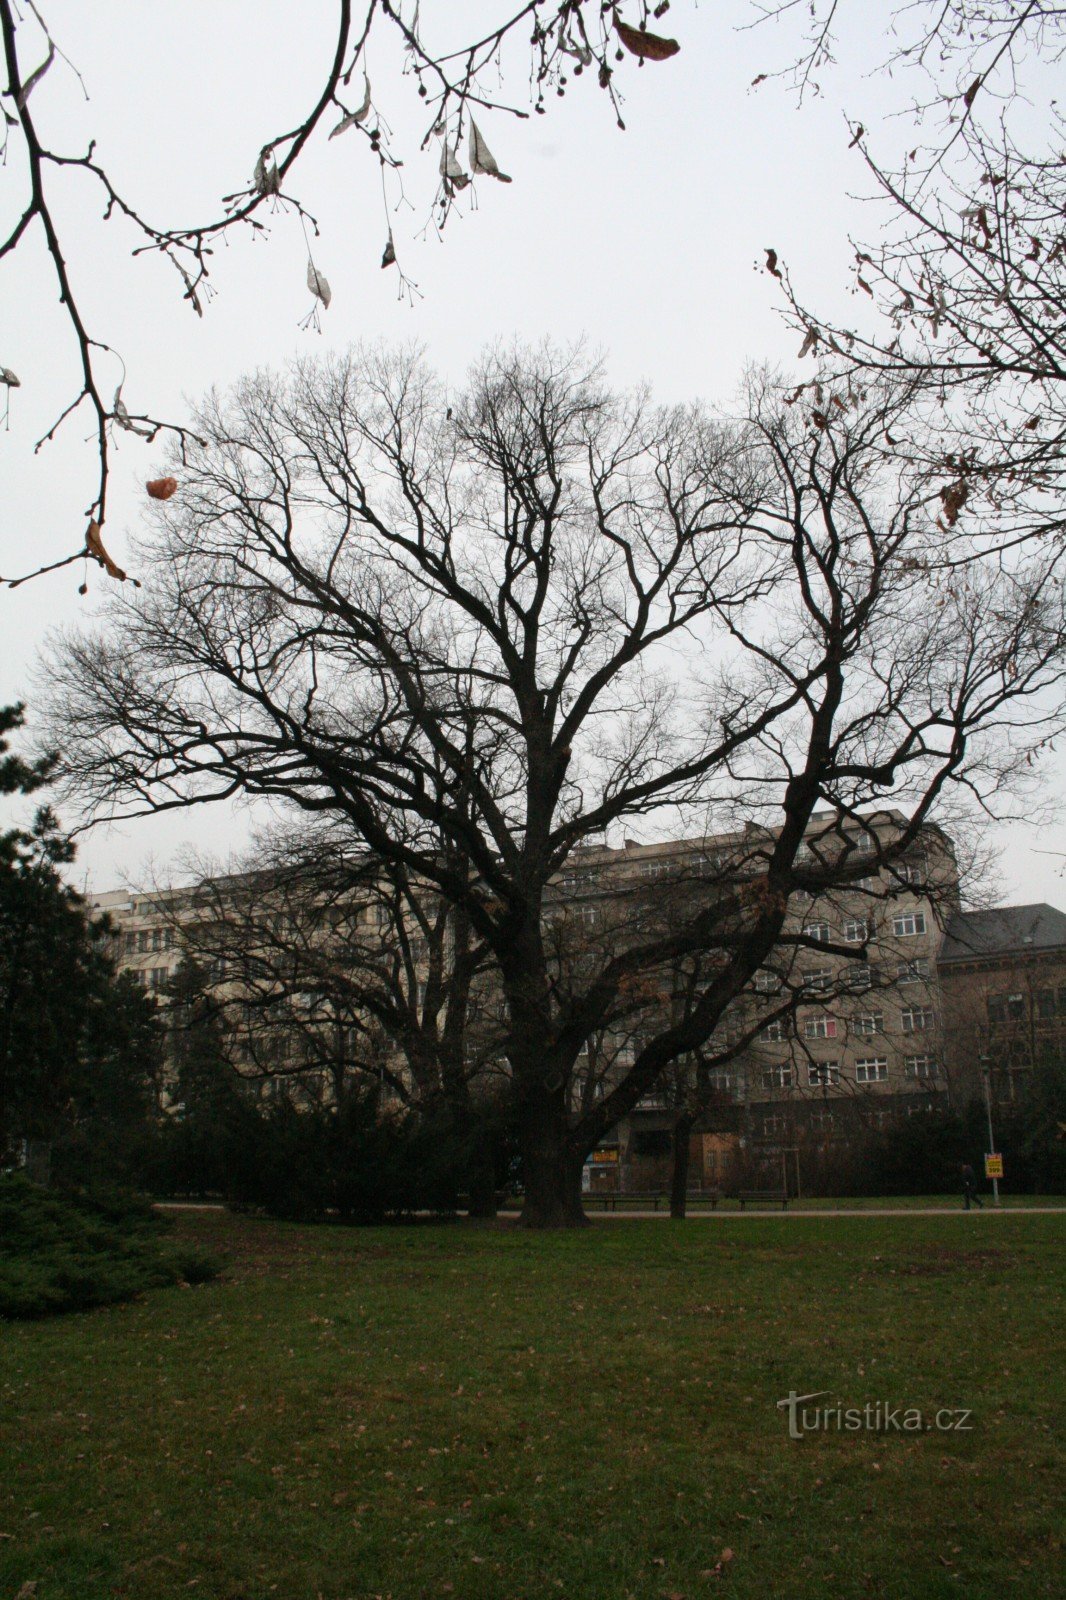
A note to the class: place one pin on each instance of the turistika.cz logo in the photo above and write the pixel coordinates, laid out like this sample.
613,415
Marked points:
876,1416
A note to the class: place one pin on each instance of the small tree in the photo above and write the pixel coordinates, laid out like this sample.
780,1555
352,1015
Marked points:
79,1048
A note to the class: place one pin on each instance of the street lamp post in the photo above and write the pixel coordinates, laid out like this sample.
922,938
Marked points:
986,1076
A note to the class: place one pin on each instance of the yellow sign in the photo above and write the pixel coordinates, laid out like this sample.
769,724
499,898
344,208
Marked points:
601,1158
993,1166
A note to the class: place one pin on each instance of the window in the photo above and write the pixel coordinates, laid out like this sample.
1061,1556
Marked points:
1006,1007
820,1028
909,872
728,1081
871,1069
142,940
588,916
818,930
818,982
766,982
920,1067
913,971
772,1125
917,1019
157,938
823,1073
856,930
216,969
653,869
1045,1003
862,977
870,1022
779,1077
773,1032
823,1119
905,924
157,979
131,943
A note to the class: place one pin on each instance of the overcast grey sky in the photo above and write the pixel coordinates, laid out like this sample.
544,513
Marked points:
649,242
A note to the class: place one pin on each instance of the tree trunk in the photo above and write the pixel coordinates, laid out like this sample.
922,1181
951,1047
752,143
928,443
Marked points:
679,1175
482,1173
551,1171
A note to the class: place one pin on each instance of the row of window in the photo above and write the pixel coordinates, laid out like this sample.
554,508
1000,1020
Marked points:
139,941
868,1069
1046,1005
732,1080
151,978
824,1119
856,930
857,979
914,1019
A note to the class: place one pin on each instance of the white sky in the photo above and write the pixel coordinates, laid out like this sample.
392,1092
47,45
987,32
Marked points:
649,242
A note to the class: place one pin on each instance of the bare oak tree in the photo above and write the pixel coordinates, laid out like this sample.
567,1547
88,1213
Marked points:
526,615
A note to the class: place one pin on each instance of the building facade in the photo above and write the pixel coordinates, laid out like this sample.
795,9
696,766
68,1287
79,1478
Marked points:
842,1031
1002,976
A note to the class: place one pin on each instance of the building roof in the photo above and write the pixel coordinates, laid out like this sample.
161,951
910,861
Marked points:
1006,930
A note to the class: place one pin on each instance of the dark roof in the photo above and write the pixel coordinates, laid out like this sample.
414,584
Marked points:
1007,930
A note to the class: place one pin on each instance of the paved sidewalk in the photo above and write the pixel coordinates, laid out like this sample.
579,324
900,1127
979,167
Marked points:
819,1216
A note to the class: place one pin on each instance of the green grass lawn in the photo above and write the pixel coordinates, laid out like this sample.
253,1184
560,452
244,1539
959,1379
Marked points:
477,1412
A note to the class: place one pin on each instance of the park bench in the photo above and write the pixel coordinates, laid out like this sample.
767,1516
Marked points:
772,1196
611,1197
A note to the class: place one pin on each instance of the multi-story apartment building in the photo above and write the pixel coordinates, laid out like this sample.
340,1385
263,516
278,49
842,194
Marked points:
853,1031
1003,985
842,1027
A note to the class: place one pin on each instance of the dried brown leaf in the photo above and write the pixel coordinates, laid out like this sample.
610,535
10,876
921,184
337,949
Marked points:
94,546
648,46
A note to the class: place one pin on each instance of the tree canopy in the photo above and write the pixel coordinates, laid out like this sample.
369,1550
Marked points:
515,618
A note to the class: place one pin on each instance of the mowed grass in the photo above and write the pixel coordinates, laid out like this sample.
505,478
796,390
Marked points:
906,1202
478,1412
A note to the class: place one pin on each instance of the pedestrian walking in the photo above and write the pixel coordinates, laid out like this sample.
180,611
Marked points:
969,1188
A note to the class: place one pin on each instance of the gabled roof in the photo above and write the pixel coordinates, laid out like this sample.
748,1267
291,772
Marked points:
1006,930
